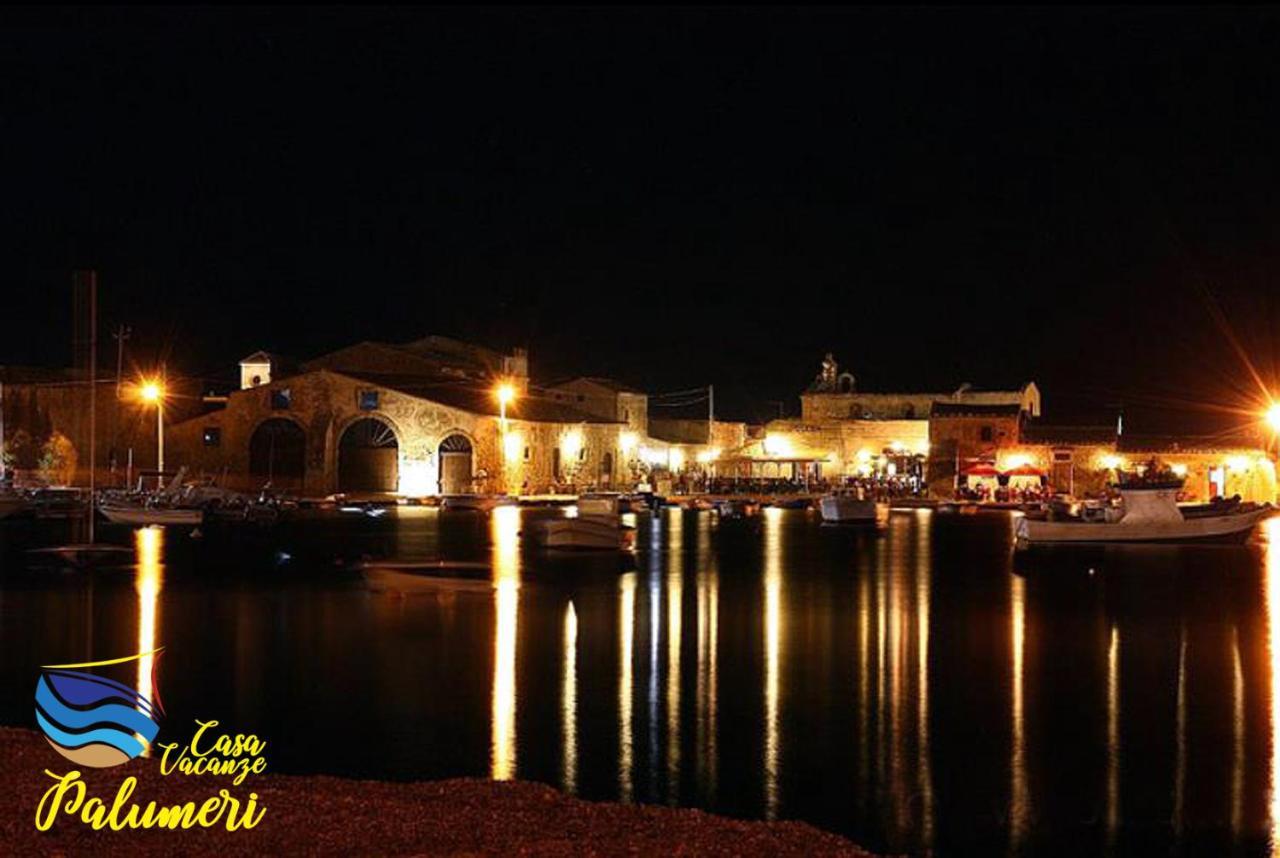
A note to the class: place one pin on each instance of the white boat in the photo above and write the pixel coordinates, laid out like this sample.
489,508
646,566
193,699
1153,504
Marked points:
1147,513
590,533
143,515
597,526
478,503
850,509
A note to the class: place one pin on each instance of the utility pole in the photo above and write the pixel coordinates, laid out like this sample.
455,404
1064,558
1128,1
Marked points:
711,413
120,334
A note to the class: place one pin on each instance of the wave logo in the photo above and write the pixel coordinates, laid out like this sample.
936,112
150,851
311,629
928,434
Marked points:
94,721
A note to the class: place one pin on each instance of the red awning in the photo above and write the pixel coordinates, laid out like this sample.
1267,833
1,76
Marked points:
1024,471
980,471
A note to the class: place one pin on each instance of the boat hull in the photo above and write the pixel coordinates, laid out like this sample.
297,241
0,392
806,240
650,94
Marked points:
144,516
839,509
1236,527
582,534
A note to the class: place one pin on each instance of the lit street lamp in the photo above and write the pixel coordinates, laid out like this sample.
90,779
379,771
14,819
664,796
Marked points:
505,393
153,392
1273,417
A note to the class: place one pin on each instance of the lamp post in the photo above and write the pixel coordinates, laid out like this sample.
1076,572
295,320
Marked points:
153,392
505,393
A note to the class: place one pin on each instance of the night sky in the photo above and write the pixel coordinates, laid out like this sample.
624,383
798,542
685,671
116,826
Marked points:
674,198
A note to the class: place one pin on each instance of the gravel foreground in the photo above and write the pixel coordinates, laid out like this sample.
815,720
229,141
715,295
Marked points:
325,815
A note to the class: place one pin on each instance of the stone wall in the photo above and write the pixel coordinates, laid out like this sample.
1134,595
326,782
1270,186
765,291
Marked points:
324,404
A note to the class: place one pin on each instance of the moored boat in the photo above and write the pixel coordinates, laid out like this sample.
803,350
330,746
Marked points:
847,508
1148,513
142,514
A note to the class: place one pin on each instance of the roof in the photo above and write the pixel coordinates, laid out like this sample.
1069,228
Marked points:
461,394
974,409
1034,432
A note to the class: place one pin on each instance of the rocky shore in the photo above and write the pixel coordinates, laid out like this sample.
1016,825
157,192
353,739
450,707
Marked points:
326,815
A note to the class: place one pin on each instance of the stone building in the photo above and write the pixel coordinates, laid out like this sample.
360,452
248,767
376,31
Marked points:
417,419
846,432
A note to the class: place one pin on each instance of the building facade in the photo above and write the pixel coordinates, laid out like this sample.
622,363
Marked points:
416,419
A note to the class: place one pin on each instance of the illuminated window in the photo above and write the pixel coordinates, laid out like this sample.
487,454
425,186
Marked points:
368,400
212,436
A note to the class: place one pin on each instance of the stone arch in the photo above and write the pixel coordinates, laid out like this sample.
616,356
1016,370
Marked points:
845,382
606,469
456,456
278,453
368,456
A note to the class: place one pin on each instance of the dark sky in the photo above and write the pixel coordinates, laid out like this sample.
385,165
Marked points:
674,198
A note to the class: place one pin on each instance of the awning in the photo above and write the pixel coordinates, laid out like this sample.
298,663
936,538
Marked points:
980,471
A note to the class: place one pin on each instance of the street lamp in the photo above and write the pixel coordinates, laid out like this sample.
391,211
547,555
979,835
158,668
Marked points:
152,392
1273,417
505,393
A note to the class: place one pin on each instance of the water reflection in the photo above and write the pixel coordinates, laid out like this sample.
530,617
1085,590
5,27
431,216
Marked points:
149,545
772,645
505,526
1019,800
904,688
626,658
569,701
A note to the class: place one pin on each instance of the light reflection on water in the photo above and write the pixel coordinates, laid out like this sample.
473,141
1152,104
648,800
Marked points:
916,690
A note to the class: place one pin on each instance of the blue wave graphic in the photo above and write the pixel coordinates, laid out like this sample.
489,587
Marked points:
79,709
123,742
113,714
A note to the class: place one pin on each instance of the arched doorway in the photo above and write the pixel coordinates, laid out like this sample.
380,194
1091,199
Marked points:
455,465
368,457
606,469
278,453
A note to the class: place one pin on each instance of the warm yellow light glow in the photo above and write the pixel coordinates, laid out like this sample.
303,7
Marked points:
513,446
626,655
1273,416
676,459
772,657
569,701
778,445
571,444
1238,463
709,455
627,442
896,446
653,456
417,477
1017,460
505,524
1111,462
151,391
149,544
505,394
864,455
1179,469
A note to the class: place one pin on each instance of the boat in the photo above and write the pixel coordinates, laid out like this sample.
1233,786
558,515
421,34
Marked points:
738,508
597,527
143,514
589,533
476,503
1148,512
849,508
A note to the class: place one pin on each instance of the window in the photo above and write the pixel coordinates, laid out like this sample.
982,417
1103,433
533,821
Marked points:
255,381
1062,455
368,400
527,454
281,399
212,436
987,433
